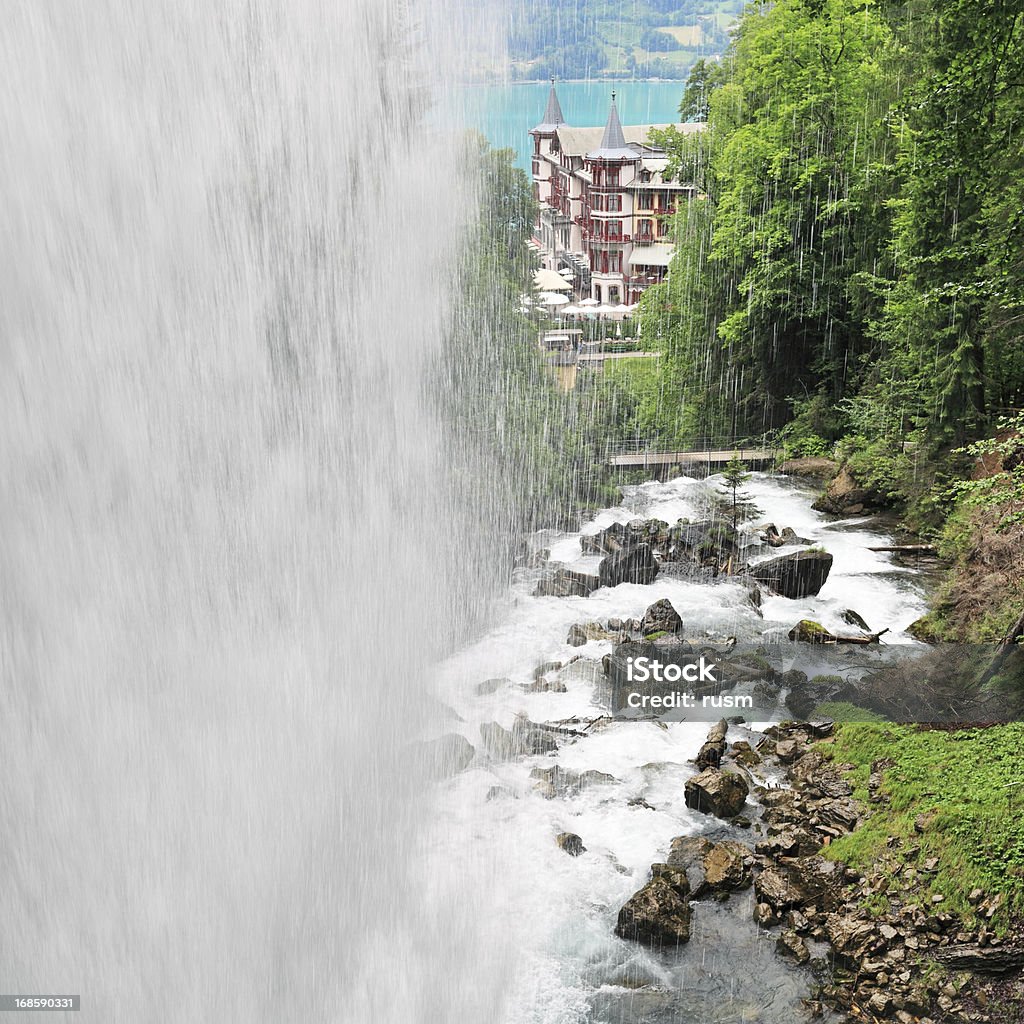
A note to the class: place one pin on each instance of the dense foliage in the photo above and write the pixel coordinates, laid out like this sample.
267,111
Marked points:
534,449
855,265
850,275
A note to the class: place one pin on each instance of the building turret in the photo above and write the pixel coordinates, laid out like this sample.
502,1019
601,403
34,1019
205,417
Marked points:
613,143
552,115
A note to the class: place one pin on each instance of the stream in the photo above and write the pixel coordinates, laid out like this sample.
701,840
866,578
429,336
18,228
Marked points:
553,915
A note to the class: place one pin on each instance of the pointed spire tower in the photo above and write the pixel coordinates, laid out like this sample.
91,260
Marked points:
613,142
552,115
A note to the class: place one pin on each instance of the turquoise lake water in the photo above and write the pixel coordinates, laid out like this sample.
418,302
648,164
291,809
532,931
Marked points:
506,113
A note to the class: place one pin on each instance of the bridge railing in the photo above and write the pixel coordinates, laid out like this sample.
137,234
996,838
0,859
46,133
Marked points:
660,446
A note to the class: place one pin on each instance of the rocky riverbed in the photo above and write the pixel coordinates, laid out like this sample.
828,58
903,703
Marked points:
914,962
648,871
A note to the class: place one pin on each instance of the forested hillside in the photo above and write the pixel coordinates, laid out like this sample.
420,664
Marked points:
853,275
647,38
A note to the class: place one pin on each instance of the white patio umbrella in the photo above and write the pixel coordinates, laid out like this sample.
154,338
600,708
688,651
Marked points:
589,302
553,299
567,272
604,309
571,310
549,281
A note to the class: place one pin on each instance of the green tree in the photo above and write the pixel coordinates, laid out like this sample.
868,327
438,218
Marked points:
705,76
954,316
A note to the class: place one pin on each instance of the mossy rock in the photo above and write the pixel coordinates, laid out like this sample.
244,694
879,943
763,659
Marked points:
807,631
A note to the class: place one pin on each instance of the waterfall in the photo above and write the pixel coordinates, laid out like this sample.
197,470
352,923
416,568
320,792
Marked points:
226,254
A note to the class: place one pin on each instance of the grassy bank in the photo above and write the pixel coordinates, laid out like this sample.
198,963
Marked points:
952,797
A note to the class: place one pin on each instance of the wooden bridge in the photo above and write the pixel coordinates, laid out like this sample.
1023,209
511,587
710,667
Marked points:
755,453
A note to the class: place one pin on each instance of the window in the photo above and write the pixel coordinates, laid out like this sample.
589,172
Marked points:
645,201
615,203
615,262
614,229
611,176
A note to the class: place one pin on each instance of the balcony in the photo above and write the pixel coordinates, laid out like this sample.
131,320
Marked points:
592,232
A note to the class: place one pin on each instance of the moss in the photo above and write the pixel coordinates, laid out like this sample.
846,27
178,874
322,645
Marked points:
807,631
969,785
656,635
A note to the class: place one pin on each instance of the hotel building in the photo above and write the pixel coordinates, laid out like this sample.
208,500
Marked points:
604,204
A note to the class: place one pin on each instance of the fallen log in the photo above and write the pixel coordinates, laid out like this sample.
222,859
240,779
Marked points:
864,638
808,632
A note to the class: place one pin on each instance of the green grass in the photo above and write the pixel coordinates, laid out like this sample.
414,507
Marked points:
971,781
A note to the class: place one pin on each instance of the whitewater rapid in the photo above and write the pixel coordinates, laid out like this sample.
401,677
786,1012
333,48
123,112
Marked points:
559,912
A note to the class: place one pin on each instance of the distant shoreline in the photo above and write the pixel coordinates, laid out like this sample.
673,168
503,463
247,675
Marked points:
575,81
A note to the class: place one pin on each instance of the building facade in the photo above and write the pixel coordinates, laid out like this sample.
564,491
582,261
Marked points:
604,204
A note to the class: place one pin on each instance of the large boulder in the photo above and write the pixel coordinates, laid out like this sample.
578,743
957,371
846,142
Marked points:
789,944
721,792
615,537
777,888
659,913
564,582
623,536
807,631
801,574
669,650
581,633
570,843
711,753
776,538
845,496
711,867
710,540
557,781
524,738
727,866
631,565
687,854
850,937
661,617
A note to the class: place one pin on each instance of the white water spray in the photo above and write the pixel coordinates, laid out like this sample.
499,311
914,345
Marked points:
224,273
